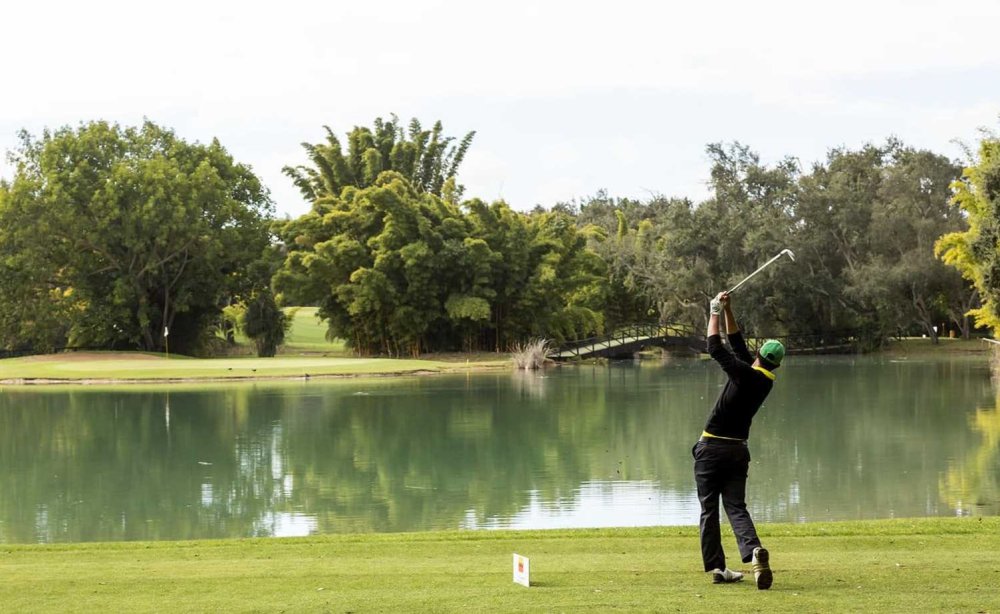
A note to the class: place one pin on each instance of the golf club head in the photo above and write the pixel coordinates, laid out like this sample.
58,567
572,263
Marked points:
789,253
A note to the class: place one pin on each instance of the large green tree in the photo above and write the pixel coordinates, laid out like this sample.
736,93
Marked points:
398,271
122,233
833,218
658,263
398,264
900,276
611,225
264,323
546,281
392,268
975,252
865,228
678,255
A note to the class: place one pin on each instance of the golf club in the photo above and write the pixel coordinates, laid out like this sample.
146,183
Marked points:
784,252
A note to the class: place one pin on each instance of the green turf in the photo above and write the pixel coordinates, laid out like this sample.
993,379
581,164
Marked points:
145,367
916,347
308,353
308,334
929,565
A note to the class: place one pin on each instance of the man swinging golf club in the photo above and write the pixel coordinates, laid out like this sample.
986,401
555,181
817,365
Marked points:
721,455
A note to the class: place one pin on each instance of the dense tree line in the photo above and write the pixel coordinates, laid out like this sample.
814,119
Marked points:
111,236
862,225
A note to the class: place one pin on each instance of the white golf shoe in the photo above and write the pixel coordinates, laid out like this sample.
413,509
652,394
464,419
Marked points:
725,576
762,568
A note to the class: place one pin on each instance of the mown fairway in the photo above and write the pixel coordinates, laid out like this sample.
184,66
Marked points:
929,565
306,352
308,334
148,367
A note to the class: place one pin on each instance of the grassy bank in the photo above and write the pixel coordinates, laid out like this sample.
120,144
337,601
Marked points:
885,566
308,353
137,367
916,347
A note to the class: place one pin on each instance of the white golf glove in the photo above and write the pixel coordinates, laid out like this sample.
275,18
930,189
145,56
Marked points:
715,306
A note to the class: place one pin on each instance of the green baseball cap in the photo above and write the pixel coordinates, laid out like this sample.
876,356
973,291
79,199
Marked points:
772,351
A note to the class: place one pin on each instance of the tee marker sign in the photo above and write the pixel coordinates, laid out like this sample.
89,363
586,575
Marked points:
521,570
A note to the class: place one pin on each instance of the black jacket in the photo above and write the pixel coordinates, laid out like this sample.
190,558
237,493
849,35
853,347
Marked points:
742,395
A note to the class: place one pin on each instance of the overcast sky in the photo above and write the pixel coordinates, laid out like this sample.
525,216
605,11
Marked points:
566,97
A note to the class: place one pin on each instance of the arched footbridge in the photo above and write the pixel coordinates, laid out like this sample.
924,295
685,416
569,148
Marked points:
629,340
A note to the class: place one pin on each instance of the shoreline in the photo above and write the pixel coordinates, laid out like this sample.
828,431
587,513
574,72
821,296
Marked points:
44,381
29,382
124,368
59,369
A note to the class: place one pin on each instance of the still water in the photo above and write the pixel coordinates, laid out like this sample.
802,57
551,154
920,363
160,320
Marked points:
592,446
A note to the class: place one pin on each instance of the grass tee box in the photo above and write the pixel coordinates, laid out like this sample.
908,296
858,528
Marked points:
880,566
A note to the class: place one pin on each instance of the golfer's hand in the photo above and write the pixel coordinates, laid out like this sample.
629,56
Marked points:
723,298
715,307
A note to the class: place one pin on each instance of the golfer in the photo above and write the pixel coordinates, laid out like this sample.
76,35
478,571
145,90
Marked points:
721,456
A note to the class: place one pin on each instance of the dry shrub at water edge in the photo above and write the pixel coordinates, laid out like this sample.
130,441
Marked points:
530,355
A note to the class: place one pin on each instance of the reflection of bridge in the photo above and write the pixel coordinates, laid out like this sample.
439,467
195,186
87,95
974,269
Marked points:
629,340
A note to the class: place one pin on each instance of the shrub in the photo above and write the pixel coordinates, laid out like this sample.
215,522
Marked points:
531,354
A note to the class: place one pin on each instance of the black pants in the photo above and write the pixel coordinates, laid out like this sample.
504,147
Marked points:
720,469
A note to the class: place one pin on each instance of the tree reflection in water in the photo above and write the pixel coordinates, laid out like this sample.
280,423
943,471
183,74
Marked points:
577,446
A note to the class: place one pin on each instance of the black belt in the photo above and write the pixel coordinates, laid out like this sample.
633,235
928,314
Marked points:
723,442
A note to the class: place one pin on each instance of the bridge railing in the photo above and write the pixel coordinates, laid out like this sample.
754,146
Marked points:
804,343
621,336
834,342
831,342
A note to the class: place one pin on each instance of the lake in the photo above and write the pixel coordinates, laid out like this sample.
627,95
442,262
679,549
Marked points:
840,438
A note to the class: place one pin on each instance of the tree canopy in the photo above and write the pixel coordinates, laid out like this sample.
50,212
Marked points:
427,159
976,251
400,271
115,235
862,225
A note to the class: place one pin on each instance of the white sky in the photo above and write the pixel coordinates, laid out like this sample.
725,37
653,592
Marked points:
567,97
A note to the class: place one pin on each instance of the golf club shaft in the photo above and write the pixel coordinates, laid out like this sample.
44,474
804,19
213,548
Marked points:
761,268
